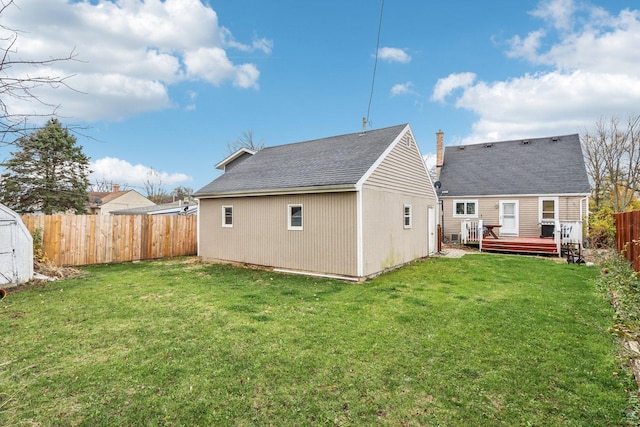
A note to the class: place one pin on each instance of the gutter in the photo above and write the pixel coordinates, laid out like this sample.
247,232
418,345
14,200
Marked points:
280,191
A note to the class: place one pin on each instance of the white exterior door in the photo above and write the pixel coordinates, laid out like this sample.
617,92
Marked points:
509,218
432,229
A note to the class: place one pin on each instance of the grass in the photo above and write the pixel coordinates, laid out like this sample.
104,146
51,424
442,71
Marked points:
481,340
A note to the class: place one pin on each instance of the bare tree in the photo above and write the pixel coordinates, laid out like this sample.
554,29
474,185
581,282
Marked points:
612,155
182,193
103,185
19,85
154,188
245,141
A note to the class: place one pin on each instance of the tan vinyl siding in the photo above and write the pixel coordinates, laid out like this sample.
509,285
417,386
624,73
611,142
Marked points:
528,212
128,200
386,242
401,179
403,170
327,243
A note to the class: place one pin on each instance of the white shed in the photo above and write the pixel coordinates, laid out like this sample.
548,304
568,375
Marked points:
16,249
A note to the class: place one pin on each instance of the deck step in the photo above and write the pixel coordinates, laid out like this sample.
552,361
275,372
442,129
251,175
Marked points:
520,247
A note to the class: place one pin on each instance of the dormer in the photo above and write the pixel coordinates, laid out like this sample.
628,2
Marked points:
235,159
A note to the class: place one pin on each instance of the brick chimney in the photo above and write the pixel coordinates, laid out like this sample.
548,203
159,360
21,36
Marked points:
115,188
439,149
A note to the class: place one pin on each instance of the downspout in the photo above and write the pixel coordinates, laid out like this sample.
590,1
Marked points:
584,217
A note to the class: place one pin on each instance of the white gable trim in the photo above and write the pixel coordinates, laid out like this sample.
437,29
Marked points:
424,165
383,156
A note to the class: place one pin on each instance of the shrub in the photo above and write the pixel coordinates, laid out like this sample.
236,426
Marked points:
38,246
602,229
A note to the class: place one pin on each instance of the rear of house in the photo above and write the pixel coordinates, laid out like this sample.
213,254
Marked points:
527,188
350,206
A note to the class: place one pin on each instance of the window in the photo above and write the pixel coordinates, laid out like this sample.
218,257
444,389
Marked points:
227,216
465,208
548,208
295,217
407,216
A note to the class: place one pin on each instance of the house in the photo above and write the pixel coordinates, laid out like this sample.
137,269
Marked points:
16,249
527,188
174,208
102,203
350,206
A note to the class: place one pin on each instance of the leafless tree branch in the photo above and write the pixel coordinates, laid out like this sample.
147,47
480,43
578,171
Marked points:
20,86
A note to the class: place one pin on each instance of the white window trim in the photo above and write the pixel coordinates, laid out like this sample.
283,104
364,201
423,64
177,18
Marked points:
289,214
465,201
405,216
556,209
224,223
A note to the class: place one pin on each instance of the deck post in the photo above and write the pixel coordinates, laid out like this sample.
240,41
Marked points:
557,236
480,234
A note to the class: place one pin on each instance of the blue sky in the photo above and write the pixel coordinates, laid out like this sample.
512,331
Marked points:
169,84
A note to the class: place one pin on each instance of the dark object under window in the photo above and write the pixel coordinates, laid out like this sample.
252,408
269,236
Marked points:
546,230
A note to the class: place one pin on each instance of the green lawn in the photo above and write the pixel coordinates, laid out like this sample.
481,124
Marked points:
481,340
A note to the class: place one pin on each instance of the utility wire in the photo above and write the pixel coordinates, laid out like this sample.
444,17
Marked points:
375,64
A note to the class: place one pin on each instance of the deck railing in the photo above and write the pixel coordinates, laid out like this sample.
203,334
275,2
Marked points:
568,233
471,231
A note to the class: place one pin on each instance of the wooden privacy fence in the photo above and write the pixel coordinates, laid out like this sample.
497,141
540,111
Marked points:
628,236
97,239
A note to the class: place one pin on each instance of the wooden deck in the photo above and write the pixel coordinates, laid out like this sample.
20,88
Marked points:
522,245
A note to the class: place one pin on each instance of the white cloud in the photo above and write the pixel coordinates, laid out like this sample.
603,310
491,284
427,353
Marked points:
111,169
392,54
429,160
527,47
547,104
402,89
592,71
444,87
559,13
129,52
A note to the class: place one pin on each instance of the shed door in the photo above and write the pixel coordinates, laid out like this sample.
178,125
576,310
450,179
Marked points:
8,266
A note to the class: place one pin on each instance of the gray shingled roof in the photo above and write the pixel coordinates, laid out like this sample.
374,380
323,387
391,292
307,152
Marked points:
334,161
145,210
553,165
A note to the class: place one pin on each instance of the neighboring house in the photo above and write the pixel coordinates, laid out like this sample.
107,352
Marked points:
534,187
350,206
102,203
174,208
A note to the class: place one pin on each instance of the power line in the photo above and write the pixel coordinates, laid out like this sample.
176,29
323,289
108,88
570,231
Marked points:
375,65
